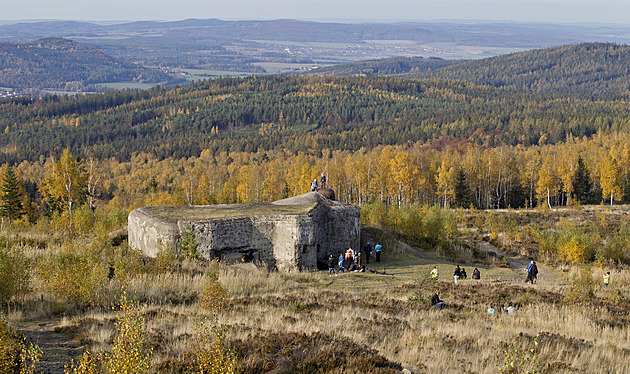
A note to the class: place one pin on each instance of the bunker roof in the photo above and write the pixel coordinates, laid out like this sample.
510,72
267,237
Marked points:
297,205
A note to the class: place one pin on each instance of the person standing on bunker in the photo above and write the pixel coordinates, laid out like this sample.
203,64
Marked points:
323,179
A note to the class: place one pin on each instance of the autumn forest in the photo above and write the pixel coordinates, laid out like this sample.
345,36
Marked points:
530,162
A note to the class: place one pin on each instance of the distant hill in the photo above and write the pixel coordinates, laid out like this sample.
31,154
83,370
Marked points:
57,63
385,66
259,46
588,69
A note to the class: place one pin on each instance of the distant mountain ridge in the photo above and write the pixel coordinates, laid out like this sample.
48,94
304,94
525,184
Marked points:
58,63
478,33
217,47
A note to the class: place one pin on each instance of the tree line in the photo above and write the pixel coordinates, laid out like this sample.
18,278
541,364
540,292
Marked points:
299,114
578,171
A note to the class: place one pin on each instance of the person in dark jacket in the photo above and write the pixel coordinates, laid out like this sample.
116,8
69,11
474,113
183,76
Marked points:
331,266
457,273
476,274
435,300
368,252
532,273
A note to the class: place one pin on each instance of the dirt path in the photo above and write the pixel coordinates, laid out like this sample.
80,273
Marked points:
57,348
519,264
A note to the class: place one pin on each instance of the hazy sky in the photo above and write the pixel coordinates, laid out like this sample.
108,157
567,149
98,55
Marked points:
600,11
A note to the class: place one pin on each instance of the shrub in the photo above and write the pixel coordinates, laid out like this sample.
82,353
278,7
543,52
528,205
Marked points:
574,244
75,276
617,247
128,352
165,259
82,221
522,358
374,214
187,246
582,286
16,355
211,352
14,274
415,223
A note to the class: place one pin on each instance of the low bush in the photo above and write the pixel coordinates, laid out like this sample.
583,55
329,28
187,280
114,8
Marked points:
418,224
75,276
128,352
16,354
14,274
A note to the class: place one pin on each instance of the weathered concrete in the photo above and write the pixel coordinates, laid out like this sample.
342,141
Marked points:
290,234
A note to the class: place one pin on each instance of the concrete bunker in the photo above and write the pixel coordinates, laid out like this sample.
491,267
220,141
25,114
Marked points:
289,234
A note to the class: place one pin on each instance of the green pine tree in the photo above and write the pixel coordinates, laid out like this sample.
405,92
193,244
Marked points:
463,196
11,196
582,185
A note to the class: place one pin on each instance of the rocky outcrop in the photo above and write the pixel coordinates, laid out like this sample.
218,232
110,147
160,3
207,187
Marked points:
290,234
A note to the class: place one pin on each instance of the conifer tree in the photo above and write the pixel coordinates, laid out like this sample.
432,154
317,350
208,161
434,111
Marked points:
463,196
11,195
582,185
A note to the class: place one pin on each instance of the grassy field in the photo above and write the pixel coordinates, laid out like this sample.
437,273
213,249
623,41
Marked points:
379,321
127,85
200,74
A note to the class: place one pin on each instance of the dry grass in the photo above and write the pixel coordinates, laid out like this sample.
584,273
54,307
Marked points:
365,322
388,317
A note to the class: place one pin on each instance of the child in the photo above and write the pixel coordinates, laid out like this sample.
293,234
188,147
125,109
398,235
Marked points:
606,279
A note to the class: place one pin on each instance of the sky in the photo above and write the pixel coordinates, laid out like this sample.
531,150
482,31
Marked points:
554,11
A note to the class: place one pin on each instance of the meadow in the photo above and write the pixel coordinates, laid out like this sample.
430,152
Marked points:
174,314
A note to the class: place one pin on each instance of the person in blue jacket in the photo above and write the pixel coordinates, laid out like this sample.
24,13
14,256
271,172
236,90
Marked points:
377,252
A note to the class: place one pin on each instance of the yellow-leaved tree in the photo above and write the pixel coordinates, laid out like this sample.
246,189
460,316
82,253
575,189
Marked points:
446,181
401,179
610,178
66,185
547,179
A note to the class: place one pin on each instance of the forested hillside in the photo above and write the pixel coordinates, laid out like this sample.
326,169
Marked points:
56,63
589,69
300,114
385,66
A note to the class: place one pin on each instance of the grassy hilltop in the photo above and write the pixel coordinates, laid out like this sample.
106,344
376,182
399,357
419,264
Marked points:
180,314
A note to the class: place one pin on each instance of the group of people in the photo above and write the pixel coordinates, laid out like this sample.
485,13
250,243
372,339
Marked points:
459,273
352,260
315,185
367,248
532,272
